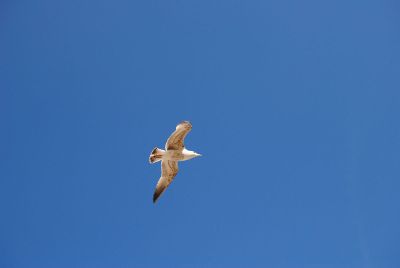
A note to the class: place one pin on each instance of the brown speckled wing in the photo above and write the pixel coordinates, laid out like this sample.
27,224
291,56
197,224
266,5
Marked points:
169,169
175,141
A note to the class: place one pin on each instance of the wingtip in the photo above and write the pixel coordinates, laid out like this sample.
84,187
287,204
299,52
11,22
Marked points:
155,197
185,122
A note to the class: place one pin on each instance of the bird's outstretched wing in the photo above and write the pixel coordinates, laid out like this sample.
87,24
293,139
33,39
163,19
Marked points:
175,141
169,169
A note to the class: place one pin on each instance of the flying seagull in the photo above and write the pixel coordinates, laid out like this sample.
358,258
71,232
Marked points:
174,151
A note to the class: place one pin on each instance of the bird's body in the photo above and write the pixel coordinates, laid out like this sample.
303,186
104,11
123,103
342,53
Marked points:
177,155
174,151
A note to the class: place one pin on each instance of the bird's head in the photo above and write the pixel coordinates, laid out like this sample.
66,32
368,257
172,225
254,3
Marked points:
190,154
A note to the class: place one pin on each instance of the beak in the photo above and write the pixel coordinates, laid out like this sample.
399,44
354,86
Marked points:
198,154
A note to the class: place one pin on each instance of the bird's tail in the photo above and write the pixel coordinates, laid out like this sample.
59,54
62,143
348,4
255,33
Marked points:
156,155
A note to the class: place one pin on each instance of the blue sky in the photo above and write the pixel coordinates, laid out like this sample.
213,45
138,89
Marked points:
295,107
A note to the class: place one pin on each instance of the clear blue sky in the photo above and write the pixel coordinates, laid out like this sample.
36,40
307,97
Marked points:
295,107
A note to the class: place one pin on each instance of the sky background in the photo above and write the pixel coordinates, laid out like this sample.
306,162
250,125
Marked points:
295,108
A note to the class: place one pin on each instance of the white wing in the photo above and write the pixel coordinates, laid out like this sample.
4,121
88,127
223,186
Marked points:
169,169
175,141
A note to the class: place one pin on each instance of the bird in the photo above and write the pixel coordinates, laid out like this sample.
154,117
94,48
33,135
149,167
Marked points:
174,152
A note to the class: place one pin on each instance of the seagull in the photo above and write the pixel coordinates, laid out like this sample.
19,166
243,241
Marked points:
174,151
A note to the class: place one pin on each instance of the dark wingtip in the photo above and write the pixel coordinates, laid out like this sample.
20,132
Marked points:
155,197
